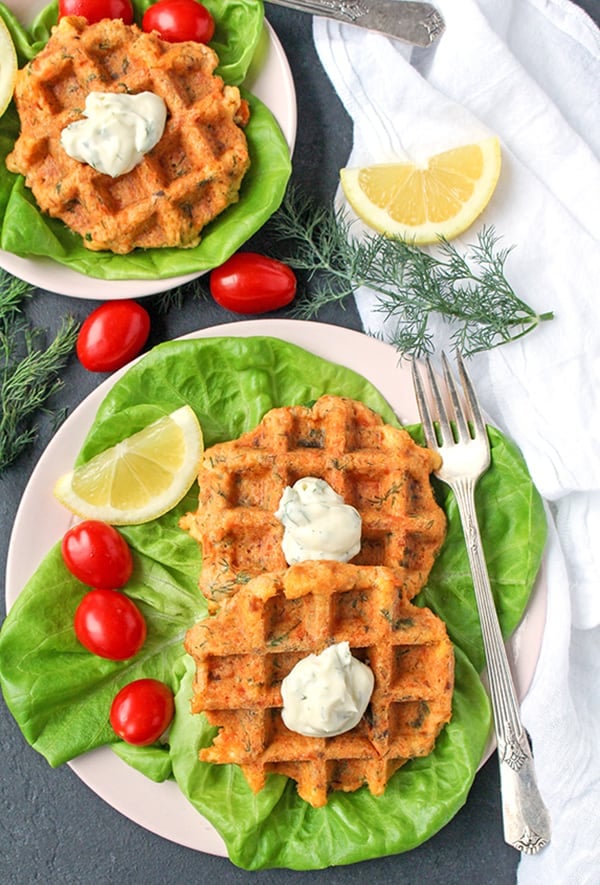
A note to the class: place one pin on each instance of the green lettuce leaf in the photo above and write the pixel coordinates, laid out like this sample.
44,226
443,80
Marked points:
276,828
60,695
153,762
26,231
513,528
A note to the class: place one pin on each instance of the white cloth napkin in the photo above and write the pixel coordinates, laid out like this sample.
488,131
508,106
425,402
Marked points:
528,71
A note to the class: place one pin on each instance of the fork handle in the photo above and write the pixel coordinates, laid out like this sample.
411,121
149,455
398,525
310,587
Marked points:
525,818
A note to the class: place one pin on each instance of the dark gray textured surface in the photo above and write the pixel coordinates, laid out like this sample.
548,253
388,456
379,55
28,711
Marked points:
53,829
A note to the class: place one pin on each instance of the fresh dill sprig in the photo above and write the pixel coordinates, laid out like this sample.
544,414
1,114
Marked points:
12,293
174,299
470,292
28,370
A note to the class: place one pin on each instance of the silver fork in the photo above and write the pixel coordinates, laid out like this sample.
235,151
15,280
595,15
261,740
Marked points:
464,447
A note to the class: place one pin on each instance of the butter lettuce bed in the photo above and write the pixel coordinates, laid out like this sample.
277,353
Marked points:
60,694
27,232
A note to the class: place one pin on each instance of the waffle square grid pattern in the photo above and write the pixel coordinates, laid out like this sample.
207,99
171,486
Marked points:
190,176
244,652
375,467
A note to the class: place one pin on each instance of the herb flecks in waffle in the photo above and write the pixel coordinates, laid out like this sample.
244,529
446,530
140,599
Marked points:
376,468
187,179
244,652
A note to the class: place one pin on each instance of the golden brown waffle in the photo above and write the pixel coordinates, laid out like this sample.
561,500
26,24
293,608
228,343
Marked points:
189,177
376,468
245,651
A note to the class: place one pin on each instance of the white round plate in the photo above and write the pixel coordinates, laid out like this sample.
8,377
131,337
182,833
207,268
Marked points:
271,81
162,808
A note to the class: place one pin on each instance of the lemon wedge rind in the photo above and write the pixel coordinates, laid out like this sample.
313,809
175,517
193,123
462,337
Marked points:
140,478
421,204
8,67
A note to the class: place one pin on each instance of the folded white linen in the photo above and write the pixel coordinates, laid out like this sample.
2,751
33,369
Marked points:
527,71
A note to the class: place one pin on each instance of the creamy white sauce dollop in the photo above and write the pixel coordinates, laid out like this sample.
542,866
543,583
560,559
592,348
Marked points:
326,694
317,523
118,130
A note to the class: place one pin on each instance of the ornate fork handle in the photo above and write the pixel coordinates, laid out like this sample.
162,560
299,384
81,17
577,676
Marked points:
525,817
413,22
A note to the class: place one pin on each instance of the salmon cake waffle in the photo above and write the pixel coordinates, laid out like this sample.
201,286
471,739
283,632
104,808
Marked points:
378,469
244,652
191,175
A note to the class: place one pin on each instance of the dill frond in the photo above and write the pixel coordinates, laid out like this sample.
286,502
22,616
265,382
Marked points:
28,369
174,299
469,292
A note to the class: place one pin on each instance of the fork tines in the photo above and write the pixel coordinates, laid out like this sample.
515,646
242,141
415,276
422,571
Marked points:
458,415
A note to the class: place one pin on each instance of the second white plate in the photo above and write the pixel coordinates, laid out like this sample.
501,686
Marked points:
162,808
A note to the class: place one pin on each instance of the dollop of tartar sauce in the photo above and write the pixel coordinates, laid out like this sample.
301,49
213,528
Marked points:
117,132
317,523
326,694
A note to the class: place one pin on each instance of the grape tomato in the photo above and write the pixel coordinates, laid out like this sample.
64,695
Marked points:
97,554
142,711
251,283
96,10
178,20
109,624
112,335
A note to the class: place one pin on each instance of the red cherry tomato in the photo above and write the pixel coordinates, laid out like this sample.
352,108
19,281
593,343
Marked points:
112,335
252,283
97,554
110,624
141,711
95,10
179,20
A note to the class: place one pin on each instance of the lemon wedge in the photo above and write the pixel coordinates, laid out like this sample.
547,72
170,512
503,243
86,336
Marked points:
421,203
141,477
8,67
